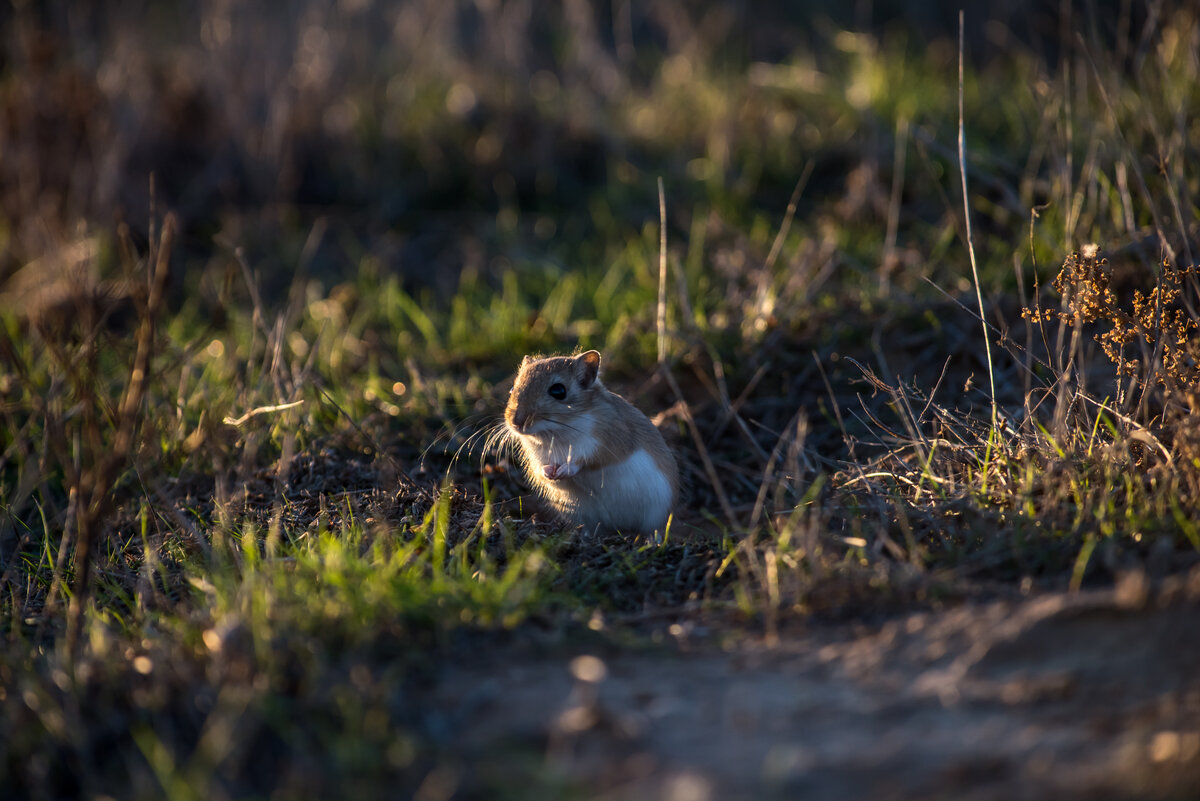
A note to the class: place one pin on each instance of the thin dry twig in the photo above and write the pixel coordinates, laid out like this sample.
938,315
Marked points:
91,494
370,440
237,421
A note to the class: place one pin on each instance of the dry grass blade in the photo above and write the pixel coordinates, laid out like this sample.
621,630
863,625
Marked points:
709,469
784,226
662,274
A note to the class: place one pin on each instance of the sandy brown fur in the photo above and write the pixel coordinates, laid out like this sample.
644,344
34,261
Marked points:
593,429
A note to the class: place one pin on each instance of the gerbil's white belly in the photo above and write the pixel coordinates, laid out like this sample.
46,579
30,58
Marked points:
632,495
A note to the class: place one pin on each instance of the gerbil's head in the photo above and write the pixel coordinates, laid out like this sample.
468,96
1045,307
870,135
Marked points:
548,392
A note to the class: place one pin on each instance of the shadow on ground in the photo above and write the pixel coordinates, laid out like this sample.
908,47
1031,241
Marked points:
1092,695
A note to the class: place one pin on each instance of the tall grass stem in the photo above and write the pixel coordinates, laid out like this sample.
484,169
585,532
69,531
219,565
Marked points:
662,273
962,167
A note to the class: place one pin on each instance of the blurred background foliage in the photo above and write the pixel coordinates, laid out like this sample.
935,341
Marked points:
439,138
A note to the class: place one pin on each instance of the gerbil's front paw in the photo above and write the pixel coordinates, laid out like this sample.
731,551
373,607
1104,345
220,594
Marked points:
556,471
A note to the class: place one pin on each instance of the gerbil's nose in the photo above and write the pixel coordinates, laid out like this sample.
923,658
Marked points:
519,421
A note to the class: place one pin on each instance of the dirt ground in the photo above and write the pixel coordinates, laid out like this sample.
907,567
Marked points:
1090,695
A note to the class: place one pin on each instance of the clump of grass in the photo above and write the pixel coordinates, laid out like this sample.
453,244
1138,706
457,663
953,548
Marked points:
1160,326
88,408
1155,417
1082,478
228,649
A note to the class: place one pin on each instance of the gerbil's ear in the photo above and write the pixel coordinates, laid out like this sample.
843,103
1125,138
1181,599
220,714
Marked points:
526,360
587,367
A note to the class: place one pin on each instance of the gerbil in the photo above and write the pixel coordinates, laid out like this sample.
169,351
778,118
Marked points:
589,452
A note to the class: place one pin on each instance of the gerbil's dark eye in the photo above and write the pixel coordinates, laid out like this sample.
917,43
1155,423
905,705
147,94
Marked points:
557,391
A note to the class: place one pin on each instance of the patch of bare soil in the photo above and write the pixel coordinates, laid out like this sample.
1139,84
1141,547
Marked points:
1090,695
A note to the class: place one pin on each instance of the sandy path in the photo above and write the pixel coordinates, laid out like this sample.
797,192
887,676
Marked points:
1093,695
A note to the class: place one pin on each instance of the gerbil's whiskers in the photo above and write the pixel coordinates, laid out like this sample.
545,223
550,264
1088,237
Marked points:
498,440
561,423
486,434
449,434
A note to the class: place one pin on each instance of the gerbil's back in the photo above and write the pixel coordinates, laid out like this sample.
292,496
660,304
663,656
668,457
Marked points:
627,426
